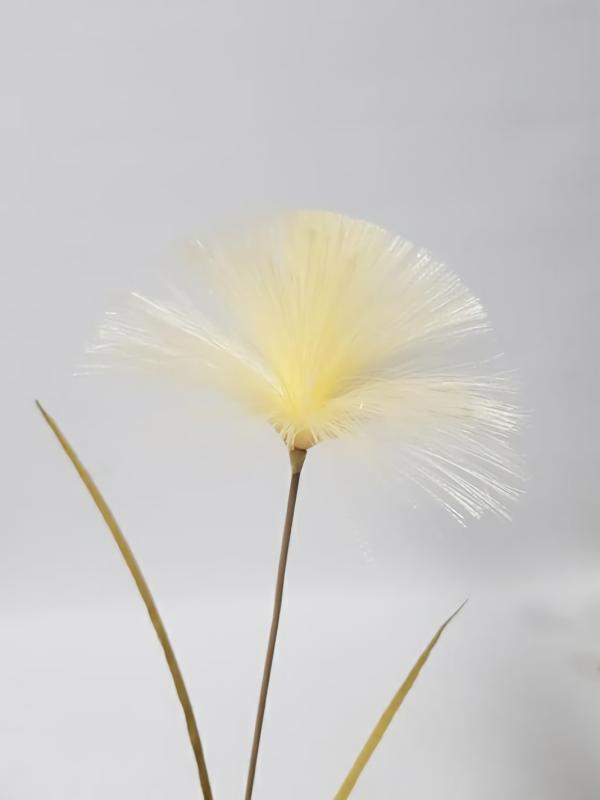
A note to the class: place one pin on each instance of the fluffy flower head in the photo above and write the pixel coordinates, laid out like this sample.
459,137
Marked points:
330,326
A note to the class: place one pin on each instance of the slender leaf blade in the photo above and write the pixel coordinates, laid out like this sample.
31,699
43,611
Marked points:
145,594
389,713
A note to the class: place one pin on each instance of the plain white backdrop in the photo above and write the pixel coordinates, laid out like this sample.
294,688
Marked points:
129,127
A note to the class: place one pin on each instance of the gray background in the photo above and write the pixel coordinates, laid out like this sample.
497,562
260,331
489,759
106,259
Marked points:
128,127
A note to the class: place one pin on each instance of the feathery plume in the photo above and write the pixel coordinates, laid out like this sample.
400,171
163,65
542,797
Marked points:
332,327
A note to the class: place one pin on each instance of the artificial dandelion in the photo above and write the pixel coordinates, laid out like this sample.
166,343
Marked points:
332,327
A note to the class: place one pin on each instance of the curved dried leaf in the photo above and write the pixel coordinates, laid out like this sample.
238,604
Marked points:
387,716
146,596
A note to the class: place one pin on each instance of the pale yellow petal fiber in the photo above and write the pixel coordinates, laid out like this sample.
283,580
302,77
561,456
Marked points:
331,326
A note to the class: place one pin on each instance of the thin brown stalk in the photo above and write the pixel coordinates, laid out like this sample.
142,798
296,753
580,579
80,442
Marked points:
144,591
297,460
